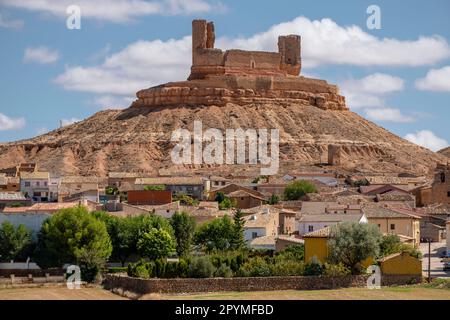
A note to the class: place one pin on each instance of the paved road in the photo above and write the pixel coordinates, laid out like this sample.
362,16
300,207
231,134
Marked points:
436,264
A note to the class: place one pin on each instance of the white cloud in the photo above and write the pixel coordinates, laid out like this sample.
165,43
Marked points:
41,55
117,10
7,123
369,91
143,64
112,102
325,42
427,139
68,122
5,22
389,115
435,80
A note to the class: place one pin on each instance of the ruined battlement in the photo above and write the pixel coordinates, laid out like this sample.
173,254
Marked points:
207,60
243,77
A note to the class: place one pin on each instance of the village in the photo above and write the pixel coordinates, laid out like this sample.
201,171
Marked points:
325,223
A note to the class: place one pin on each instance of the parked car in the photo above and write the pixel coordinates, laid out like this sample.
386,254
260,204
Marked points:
447,265
443,254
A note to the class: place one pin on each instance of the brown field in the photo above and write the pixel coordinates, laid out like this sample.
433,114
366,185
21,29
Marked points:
97,293
392,293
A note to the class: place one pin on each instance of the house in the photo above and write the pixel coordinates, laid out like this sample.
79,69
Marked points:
8,199
261,223
375,189
401,263
35,185
218,182
282,242
391,220
393,199
232,187
438,191
123,181
74,185
406,183
269,189
191,186
32,217
149,197
244,200
310,223
325,207
263,243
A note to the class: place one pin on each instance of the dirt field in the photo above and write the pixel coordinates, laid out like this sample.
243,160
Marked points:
57,293
397,293
393,293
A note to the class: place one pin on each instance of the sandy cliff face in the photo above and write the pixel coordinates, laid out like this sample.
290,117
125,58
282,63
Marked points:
139,139
445,152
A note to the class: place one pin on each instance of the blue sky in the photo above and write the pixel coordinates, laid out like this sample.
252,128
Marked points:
397,76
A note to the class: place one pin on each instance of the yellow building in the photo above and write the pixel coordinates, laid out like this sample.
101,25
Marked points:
401,264
316,244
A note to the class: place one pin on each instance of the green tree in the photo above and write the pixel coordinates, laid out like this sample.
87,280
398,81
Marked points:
297,189
391,243
185,199
183,227
74,236
156,244
15,242
216,234
219,197
351,243
274,199
226,203
237,242
159,187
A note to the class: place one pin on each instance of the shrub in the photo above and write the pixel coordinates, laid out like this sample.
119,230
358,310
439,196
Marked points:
224,271
255,267
140,269
297,189
288,268
232,259
293,252
335,270
314,268
201,267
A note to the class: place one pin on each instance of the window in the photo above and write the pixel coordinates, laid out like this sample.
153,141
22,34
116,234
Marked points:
38,183
27,184
310,228
448,194
254,235
253,64
442,177
379,226
392,226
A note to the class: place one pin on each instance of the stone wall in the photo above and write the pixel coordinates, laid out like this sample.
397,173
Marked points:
145,286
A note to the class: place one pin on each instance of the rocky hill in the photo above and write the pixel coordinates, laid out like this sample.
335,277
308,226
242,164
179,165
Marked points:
445,152
138,138
226,90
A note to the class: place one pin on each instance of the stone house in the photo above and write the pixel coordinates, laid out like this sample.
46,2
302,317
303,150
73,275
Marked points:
439,189
123,181
13,198
194,187
74,185
402,222
245,200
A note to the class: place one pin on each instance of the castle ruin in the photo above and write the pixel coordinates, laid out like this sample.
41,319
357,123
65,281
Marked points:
243,77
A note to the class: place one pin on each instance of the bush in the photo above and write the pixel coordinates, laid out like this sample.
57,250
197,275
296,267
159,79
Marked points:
158,269
335,270
255,267
288,268
314,268
201,267
117,269
223,271
232,259
297,189
293,252
139,270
